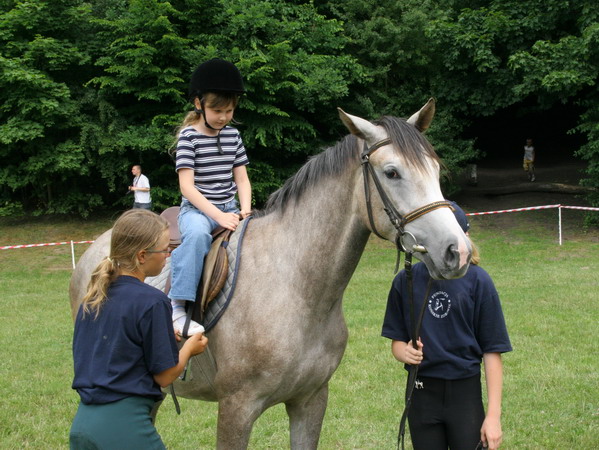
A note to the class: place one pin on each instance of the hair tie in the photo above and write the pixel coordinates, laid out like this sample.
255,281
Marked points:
109,259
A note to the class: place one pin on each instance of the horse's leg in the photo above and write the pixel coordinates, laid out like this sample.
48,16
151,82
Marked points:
236,417
305,419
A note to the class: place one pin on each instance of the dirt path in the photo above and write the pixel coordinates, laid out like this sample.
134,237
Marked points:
492,174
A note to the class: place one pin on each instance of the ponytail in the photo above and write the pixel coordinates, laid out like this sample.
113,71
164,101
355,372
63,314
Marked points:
106,272
191,118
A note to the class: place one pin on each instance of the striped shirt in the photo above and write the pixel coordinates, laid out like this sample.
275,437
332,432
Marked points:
213,172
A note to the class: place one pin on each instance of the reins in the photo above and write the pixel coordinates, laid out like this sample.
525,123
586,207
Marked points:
399,222
416,325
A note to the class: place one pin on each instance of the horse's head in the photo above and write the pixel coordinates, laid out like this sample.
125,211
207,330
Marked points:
407,169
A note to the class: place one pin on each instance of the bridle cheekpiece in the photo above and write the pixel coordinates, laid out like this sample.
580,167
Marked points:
397,220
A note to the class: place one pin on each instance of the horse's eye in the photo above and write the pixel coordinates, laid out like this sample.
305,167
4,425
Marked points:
391,173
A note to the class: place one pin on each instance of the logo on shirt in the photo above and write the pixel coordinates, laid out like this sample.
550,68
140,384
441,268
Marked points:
439,304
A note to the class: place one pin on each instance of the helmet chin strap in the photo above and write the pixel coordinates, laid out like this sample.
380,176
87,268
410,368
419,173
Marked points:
201,112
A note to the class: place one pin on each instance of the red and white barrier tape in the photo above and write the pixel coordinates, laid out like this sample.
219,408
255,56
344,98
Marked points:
529,208
584,208
7,247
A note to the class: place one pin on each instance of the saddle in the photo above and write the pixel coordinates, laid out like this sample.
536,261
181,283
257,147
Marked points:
216,262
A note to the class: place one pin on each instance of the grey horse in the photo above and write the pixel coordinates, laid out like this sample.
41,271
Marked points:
284,334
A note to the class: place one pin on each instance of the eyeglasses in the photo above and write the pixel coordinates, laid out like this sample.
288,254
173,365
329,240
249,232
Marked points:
168,251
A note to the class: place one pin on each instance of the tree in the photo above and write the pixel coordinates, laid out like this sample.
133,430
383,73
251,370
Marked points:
110,78
566,67
89,88
43,56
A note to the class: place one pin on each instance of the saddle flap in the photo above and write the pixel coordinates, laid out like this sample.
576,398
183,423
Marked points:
171,214
216,266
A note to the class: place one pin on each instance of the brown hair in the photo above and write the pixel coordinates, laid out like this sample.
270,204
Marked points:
135,230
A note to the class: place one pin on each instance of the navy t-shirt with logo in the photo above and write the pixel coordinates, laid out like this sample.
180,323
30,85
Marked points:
462,321
116,354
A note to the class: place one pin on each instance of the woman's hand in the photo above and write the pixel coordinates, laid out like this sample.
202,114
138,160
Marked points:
196,344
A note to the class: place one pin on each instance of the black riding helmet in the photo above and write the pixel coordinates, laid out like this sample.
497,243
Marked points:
215,75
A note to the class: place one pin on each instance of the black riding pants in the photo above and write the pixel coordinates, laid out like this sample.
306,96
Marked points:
446,414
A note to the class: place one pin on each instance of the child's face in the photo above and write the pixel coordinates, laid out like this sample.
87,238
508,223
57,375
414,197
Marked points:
219,116
217,112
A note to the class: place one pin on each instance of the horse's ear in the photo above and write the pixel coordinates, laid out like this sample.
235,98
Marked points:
359,127
423,118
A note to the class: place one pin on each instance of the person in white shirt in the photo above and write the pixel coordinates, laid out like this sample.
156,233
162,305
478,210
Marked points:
140,189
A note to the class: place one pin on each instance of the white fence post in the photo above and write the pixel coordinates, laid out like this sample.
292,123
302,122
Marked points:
73,254
559,215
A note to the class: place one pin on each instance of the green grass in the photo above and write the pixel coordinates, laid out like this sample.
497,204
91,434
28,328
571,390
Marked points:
549,295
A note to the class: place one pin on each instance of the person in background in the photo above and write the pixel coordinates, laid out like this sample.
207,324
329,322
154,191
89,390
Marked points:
124,345
211,164
529,160
140,189
463,325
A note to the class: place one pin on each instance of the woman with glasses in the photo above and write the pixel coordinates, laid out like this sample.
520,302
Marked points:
124,345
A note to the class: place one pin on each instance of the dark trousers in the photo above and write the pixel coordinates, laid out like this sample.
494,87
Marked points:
142,205
446,414
122,425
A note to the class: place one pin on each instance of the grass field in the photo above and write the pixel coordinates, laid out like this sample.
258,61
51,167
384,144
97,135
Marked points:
549,295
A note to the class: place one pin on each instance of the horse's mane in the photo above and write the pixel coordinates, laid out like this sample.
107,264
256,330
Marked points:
406,139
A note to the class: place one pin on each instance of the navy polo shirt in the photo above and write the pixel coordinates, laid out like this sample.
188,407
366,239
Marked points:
116,354
462,321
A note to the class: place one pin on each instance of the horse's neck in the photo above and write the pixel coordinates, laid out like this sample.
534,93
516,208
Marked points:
321,236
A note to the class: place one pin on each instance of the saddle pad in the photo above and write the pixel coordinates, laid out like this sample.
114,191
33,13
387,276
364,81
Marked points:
160,280
217,307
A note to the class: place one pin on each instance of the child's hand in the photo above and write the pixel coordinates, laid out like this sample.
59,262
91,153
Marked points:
491,434
230,221
244,213
412,355
196,343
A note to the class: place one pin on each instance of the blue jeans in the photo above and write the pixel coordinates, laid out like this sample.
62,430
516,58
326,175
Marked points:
187,261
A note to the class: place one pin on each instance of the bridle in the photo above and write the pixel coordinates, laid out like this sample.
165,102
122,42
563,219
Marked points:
399,222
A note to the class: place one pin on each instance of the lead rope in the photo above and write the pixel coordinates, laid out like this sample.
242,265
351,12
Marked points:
416,325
